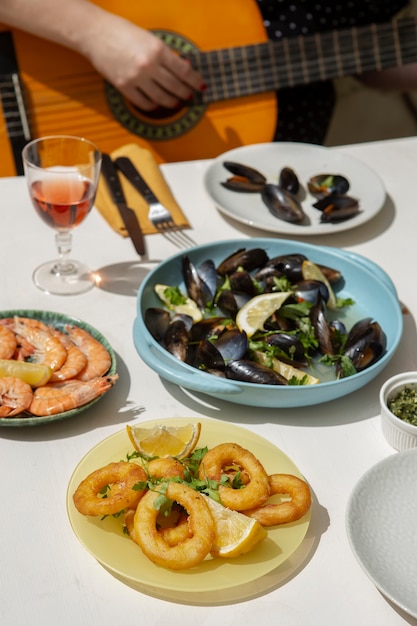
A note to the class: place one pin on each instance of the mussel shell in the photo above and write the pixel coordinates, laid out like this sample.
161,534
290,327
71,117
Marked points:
176,339
245,171
311,291
290,265
229,302
157,321
337,208
242,185
366,343
282,204
291,348
210,327
208,276
242,281
323,185
249,259
193,282
251,372
207,357
232,345
322,330
288,180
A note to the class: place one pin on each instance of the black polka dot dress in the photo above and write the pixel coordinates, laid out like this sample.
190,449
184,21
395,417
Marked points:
305,111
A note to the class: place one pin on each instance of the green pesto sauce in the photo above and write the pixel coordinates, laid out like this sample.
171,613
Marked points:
404,405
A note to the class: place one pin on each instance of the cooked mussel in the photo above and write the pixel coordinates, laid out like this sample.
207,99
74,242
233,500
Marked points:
177,336
323,185
321,328
252,372
311,291
337,208
366,343
288,180
248,259
289,348
282,204
157,321
245,178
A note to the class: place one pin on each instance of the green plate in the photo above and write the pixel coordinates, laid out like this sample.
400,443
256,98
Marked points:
59,321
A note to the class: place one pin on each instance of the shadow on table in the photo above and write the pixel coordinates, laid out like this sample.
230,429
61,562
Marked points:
124,279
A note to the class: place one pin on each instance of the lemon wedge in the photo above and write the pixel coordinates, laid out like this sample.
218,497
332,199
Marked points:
311,271
34,374
236,533
186,307
165,441
286,370
252,316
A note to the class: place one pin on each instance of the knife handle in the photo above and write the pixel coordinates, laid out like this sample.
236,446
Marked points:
125,165
112,179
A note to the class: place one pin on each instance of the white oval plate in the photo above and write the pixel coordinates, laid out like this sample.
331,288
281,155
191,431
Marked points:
306,160
381,526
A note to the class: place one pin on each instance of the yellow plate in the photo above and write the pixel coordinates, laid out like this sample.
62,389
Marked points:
105,540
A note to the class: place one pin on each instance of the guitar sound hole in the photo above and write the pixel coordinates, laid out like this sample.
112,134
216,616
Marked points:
160,113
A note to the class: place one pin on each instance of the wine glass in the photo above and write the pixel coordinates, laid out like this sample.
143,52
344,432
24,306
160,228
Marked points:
62,174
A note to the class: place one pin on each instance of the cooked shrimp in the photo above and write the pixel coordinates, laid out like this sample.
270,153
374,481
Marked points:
47,349
98,358
75,361
8,342
15,396
56,398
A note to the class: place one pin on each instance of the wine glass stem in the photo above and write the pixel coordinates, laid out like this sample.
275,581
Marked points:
63,240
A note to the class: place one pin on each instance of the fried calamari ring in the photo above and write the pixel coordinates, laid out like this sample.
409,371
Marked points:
174,528
120,477
177,533
219,459
287,511
165,468
187,553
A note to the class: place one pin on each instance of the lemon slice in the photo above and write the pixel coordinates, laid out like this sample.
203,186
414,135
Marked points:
165,441
310,271
236,534
188,307
252,316
34,374
285,369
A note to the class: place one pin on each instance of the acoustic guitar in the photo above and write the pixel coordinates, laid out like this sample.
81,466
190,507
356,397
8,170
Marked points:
47,89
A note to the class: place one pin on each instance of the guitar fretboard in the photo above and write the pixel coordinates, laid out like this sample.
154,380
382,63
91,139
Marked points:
247,70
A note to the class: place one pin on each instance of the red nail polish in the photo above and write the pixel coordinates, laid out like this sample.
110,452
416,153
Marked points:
203,87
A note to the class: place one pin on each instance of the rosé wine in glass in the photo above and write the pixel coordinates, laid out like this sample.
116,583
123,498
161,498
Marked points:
62,175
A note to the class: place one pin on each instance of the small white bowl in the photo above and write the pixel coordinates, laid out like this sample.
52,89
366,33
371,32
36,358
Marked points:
400,434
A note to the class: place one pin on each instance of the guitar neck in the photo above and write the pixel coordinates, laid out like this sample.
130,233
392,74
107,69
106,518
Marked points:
259,68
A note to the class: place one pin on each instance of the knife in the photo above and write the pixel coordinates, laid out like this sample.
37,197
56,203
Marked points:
125,165
127,214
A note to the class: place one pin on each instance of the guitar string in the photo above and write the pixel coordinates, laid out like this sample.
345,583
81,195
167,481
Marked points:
238,64
352,64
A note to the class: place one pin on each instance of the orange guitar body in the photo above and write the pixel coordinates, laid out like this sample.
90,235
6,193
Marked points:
64,94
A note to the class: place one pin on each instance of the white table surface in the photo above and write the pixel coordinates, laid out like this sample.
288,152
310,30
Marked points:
46,576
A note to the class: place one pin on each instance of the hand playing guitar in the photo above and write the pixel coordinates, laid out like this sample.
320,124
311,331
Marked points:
140,65
133,59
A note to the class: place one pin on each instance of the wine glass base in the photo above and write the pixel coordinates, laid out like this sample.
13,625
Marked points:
78,278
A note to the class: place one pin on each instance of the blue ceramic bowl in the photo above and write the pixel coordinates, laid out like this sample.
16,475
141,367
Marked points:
364,281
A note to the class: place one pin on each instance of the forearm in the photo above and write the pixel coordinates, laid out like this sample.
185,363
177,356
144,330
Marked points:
71,23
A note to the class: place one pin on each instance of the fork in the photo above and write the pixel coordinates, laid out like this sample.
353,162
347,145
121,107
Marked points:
158,215
161,218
